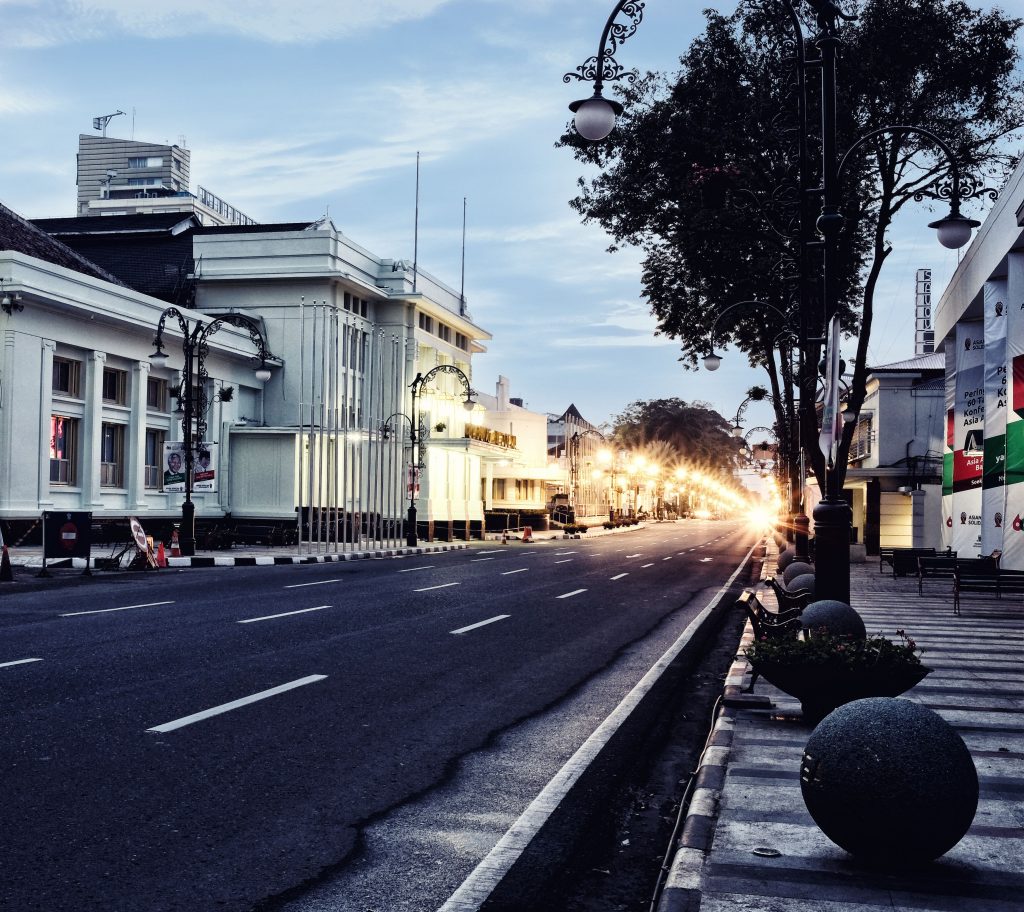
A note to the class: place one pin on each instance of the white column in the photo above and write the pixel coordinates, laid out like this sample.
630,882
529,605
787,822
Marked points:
135,444
92,431
45,412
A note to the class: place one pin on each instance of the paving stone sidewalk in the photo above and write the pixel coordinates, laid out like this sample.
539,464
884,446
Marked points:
748,805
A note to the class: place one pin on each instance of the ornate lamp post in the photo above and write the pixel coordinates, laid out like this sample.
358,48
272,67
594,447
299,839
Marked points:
416,434
595,118
574,444
192,399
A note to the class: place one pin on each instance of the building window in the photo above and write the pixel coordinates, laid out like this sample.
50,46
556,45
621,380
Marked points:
426,323
63,450
461,341
112,455
156,394
154,456
151,161
67,377
444,332
115,386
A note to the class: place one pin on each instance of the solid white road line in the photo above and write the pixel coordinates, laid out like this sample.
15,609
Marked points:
571,594
414,569
510,572
642,566
235,704
499,617
18,662
568,560
271,617
317,583
106,610
442,586
619,576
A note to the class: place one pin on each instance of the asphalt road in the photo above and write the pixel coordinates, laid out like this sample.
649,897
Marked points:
206,739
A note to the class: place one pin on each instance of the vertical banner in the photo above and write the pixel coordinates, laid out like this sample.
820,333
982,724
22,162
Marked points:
1013,536
968,438
831,424
993,497
947,450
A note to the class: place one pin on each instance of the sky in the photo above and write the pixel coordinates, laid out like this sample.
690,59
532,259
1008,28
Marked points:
294,108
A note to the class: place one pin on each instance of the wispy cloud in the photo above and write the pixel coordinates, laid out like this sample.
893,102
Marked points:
51,22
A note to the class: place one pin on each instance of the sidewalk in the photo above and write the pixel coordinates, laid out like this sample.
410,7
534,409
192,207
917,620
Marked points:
748,806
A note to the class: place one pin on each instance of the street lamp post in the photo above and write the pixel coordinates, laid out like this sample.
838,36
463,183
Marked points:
193,399
416,434
574,444
595,118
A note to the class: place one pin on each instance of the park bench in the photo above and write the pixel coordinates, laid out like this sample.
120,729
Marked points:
769,624
788,599
904,560
983,576
255,535
942,566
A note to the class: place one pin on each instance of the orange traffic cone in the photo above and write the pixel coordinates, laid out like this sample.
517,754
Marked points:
504,537
161,558
527,533
175,546
6,574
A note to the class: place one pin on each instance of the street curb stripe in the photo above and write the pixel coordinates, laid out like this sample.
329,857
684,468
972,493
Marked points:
107,610
492,620
235,704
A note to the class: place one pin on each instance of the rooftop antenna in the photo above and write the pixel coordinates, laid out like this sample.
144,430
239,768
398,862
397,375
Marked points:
462,287
100,123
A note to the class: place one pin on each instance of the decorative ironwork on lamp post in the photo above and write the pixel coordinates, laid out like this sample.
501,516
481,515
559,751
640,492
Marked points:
595,118
417,433
193,399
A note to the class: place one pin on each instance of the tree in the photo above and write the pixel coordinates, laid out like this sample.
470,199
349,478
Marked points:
692,431
725,128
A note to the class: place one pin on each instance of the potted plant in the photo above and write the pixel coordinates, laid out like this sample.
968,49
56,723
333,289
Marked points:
824,671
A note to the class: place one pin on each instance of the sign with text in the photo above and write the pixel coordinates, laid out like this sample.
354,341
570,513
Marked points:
66,534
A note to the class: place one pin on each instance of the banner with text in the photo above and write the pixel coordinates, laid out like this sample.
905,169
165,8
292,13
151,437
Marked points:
993,497
947,450
968,438
1013,536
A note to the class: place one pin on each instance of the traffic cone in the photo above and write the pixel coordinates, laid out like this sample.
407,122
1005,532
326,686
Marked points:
504,537
6,573
175,546
527,533
161,558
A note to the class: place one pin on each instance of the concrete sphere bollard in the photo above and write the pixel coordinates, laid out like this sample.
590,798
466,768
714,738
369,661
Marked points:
796,569
785,558
802,582
889,781
838,619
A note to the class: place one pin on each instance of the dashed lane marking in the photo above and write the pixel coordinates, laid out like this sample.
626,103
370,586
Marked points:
235,704
618,576
106,610
477,560
271,617
414,569
510,572
568,560
442,586
571,594
492,620
645,565
18,662
317,583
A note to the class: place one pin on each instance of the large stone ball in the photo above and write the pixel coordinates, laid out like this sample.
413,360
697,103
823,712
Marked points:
805,581
889,781
785,558
796,569
837,618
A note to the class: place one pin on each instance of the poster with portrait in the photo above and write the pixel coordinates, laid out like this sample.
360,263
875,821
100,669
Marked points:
174,467
204,471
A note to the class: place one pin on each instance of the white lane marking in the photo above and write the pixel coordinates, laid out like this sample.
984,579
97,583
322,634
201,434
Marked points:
642,566
619,576
563,553
414,569
568,560
475,560
571,594
271,617
628,556
317,583
105,610
667,558
706,560
495,551
499,617
235,704
442,586
18,662
527,552
617,550
510,572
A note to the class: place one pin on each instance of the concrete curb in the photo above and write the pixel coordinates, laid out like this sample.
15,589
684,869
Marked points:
496,881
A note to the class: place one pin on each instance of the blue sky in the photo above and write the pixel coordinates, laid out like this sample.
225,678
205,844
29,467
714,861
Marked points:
294,107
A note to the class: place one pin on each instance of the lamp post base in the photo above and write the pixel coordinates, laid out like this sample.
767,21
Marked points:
188,529
832,521
801,525
410,530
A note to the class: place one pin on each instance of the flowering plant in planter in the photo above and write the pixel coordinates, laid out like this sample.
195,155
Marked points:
825,671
